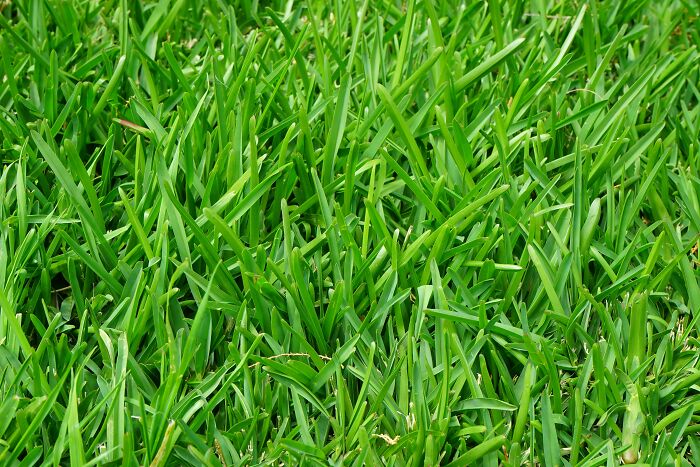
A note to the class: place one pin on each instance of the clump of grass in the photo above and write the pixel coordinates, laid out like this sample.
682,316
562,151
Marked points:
308,233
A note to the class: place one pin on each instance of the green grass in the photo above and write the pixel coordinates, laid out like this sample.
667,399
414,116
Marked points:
420,232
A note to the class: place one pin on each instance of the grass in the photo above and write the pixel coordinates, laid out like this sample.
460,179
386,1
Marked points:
354,232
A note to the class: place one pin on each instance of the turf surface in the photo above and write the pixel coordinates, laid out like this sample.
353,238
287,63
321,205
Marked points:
424,232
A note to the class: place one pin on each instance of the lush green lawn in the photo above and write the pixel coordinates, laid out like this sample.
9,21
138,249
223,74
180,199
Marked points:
420,232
